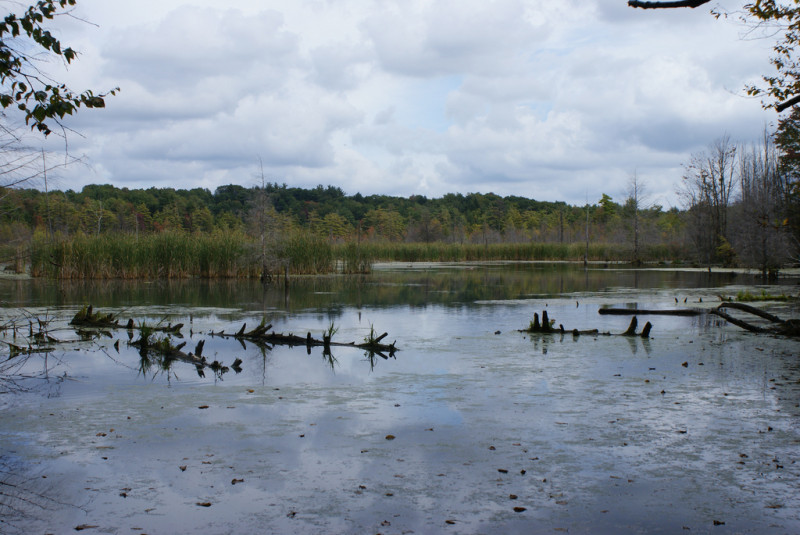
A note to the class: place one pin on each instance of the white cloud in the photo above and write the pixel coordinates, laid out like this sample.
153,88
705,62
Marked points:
554,100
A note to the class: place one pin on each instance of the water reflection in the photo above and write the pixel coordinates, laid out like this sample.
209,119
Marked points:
444,284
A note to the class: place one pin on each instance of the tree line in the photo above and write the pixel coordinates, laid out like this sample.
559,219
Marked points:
329,213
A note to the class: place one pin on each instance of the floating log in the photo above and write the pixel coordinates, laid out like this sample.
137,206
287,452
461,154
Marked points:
645,311
752,310
169,352
261,335
790,327
86,318
546,328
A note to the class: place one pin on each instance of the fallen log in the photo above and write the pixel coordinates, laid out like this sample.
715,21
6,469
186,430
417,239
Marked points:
752,310
168,352
645,311
790,327
545,327
262,335
86,317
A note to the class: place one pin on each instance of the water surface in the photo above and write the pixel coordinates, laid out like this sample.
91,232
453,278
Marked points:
693,429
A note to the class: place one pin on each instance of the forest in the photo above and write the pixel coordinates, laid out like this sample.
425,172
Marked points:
741,209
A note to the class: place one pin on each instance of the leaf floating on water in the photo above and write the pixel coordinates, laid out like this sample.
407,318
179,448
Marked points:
204,504
519,509
390,437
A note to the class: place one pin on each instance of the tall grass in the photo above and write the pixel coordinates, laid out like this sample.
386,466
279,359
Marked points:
531,251
234,254
125,256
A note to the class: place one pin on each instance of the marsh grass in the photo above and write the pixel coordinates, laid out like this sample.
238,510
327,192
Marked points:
747,296
234,254
164,255
530,251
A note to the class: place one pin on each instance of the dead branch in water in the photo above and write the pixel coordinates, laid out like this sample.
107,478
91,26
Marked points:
262,335
790,327
546,327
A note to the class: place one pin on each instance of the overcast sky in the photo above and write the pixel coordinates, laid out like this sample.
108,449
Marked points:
547,99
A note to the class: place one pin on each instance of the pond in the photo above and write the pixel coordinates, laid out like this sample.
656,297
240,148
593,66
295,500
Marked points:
470,427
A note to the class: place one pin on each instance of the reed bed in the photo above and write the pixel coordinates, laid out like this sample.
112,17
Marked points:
234,254
163,255
531,251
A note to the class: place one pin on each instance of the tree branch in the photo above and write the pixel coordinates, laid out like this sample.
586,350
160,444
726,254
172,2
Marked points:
666,5
787,104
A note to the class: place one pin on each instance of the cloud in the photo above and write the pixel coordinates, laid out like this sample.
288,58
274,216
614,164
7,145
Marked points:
554,100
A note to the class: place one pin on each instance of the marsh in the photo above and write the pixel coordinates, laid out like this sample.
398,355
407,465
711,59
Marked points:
471,427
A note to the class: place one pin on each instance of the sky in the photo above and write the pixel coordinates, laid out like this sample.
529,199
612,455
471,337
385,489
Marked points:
555,100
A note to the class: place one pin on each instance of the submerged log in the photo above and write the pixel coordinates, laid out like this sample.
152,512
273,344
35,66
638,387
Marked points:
790,327
86,318
169,352
262,335
546,328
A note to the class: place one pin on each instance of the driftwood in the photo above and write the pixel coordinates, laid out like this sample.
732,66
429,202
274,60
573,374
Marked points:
15,350
86,318
790,327
169,352
546,327
262,335
645,311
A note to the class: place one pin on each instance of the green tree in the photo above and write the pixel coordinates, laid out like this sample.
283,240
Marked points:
23,39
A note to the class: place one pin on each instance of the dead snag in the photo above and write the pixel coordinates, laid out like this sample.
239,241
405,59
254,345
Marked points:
631,331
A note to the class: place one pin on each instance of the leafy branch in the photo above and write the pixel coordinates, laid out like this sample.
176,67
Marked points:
39,98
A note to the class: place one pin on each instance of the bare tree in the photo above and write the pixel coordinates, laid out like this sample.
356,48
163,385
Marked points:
635,202
762,236
708,186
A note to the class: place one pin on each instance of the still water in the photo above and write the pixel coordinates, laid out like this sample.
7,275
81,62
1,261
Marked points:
472,427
